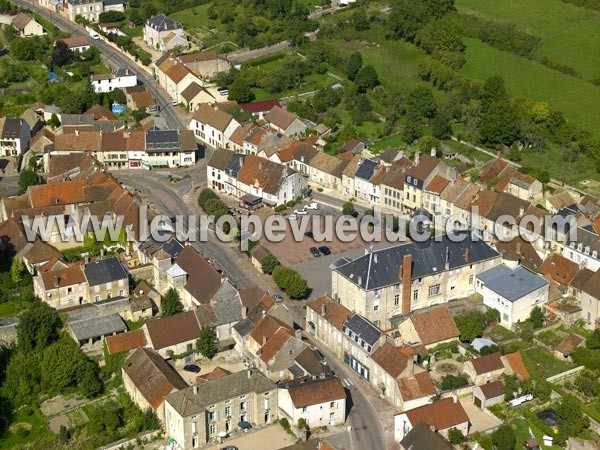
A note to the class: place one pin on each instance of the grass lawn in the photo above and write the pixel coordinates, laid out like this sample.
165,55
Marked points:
197,17
550,338
498,334
542,364
579,100
570,34
12,308
522,428
28,419
395,140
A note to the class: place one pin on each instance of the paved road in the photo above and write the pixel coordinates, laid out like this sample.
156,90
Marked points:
175,119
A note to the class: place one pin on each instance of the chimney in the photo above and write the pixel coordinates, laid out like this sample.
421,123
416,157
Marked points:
521,211
56,281
86,259
417,158
406,275
76,132
195,388
360,280
323,309
518,248
102,253
454,397
447,263
264,340
375,258
298,334
467,255
264,313
433,152
410,365
249,373
366,251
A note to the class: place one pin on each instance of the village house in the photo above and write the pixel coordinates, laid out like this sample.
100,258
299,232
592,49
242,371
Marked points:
326,170
484,369
564,349
121,78
148,379
14,136
213,126
392,185
430,327
425,168
106,279
174,77
512,292
260,108
320,402
62,287
422,437
222,171
440,416
397,280
367,179
27,26
196,415
590,302
164,34
206,65
501,177
90,330
284,122
78,43
353,146
38,254
194,95
88,9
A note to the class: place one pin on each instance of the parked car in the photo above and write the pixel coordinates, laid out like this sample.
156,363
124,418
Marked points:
325,250
309,234
315,251
230,447
278,298
300,212
223,91
313,205
191,368
174,102
292,217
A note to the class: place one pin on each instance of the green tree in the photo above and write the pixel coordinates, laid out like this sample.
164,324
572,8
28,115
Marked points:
499,124
493,92
504,438
510,387
269,263
205,195
440,126
118,96
170,303
570,419
366,79
542,390
53,122
17,270
63,435
450,382
27,178
240,91
355,63
135,17
291,282
455,436
206,344
105,418
537,317
441,35
470,325
593,341
348,209
38,327
61,54
421,102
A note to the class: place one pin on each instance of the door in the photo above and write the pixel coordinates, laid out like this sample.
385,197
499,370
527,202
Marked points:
477,401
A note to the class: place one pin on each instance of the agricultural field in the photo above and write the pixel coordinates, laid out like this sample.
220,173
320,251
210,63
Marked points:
570,34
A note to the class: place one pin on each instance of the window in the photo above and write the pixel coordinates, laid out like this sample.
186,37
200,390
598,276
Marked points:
416,294
243,406
227,411
396,299
69,290
121,293
194,427
212,429
304,409
97,298
434,290
471,279
332,405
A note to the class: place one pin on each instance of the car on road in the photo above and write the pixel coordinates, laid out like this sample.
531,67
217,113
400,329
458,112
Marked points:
278,298
223,91
191,368
313,206
325,250
300,212
292,217
315,251
230,447
174,102
309,234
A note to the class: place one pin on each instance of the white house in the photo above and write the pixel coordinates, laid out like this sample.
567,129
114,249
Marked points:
78,43
213,126
27,25
321,402
14,136
512,292
285,122
119,79
222,171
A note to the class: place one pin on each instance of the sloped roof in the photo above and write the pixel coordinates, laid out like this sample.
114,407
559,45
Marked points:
335,313
314,392
275,343
492,170
104,271
512,284
126,341
77,41
568,344
101,113
417,386
517,365
442,414
262,172
262,106
437,184
280,117
391,359
212,116
422,437
176,329
493,389
152,376
487,363
203,280
422,170
559,268
434,325
41,252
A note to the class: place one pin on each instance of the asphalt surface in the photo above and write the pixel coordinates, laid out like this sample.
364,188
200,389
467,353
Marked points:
175,119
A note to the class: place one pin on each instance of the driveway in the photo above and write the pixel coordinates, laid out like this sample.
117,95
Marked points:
481,420
271,438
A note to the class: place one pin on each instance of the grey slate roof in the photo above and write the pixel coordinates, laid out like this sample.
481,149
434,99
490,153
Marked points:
244,327
363,328
162,139
427,259
76,119
186,403
366,169
104,271
512,284
228,310
163,23
98,326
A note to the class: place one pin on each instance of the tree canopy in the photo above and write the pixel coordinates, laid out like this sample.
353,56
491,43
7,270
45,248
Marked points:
170,303
206,344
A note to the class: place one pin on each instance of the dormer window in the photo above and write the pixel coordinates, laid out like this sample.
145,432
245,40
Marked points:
409,179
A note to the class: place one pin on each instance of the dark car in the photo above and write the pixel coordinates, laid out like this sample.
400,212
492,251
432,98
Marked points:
191,368
278,298
315,251
325,250
309,234
230,447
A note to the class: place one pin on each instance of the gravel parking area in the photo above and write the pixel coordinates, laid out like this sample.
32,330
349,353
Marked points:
271,438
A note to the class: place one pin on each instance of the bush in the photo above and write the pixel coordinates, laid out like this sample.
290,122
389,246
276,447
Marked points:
291,282
280,208
450,382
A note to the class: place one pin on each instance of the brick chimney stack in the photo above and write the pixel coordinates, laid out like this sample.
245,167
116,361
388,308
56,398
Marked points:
406,275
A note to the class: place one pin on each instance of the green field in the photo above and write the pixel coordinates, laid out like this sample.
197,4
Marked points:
542,364
570,34
579,100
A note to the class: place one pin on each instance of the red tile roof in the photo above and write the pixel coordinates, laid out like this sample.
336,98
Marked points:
442,414
318,391
176,329
488,363
263,106
391,359
417,386
335,313
126,341
434,325
559,268
517,365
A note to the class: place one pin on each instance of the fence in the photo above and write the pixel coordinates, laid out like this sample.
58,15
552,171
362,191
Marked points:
124,443
566,374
